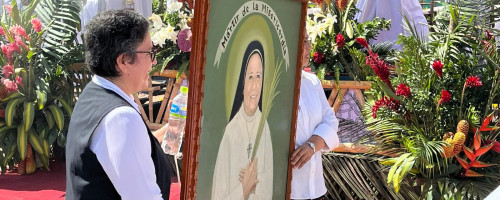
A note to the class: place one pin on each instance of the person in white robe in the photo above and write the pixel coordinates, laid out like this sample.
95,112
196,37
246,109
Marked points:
393,10
236,176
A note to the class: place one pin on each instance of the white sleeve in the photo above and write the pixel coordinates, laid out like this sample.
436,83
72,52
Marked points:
122,146
329,125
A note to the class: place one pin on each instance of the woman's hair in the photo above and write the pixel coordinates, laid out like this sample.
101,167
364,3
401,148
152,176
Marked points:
255,47
110,34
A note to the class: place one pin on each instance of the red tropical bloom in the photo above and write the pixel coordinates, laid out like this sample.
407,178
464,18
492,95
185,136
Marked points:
403,90
340,40
7,52
9,9
473,81
319,57
438,67
14,47
37,24
390,103
363,43
10,85
18,30
19,41
380,68
445,97
7,70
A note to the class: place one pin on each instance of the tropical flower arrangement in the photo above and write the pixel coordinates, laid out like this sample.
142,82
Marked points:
34,89
435,110
333,31
171,34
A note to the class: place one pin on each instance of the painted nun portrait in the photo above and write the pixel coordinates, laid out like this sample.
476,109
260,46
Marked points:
236,175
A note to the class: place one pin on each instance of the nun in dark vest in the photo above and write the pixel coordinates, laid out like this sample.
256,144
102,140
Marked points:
110,152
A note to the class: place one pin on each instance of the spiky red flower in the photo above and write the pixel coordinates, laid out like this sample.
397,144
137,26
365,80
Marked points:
7,52
438,67
319,57
403,90
37,24
473,81
14,47
340,40
389,103
10,85
380,68
7,70
363,43
18,30
445,97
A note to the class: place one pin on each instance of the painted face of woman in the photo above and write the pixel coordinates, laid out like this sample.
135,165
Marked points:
253,85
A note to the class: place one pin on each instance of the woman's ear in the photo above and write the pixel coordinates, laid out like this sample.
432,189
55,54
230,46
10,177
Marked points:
121,64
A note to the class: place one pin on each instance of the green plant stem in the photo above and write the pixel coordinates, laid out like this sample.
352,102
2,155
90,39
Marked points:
461,103
493,92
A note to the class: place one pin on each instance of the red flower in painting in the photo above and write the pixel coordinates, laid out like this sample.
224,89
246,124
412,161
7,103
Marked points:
438,67
403,90
390,103
473,81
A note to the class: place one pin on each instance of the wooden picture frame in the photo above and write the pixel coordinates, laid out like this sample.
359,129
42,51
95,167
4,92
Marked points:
200,91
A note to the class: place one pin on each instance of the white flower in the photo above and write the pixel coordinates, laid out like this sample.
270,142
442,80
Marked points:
157,23
183,24
159,37
174,6
329,20
183,15
317,31
171,33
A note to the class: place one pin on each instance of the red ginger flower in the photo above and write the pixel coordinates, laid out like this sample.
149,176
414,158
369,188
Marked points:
14,47
19,81
2,32
7,70
10,85
37,24
380,68
18,30
319,57
7,52
390,103
364,43
473,81
340,40
403,90
438,67
445,97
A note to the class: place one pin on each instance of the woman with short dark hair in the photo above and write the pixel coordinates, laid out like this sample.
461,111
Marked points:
110,152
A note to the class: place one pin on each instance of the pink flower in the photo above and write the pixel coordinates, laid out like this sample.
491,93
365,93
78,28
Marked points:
184,40
19,41
10,85
18,30
37,24
14,47
473,81
403,90
318,57
7,70
2,32
19,81
445,97
438,67
363,42
7,52
391,103
340,40
9,9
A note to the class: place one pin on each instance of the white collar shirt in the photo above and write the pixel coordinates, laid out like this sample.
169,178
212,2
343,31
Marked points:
315,117
122,146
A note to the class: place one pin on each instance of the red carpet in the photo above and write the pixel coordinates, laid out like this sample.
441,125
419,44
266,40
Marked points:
45,185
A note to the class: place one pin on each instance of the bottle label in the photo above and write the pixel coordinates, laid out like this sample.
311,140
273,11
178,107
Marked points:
177,111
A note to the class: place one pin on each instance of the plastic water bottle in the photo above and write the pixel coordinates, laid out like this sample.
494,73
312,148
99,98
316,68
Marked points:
175,130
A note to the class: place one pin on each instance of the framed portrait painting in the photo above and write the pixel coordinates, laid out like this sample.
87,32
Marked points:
243,99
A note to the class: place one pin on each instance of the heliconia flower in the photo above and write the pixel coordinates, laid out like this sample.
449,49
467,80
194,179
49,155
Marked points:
37,24
473,81
318,57
19,81
363,43
340,40
10,85
9,9
184,40
403,90
18,30
390,103
438,67
7,70
19,41
445,97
